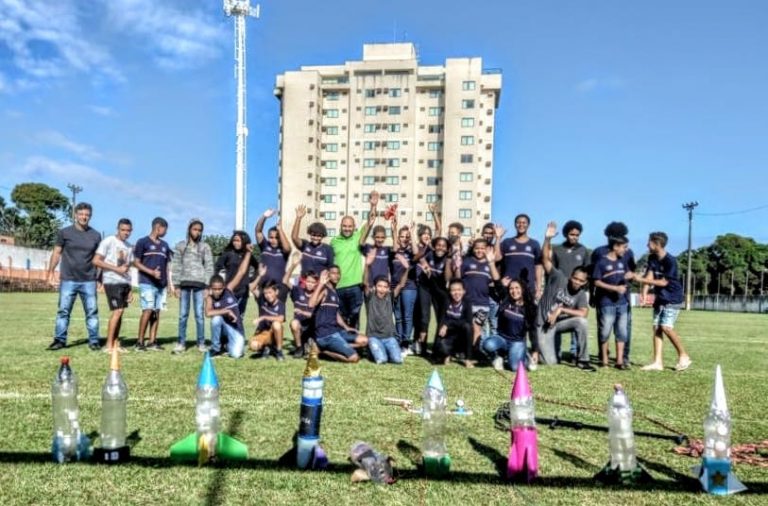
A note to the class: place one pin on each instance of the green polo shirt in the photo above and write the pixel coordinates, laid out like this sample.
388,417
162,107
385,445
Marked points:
346,253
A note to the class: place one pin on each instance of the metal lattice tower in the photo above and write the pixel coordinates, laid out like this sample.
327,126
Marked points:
240,10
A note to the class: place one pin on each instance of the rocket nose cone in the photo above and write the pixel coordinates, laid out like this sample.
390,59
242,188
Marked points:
435,381
207,376
114,359
719,402
521,387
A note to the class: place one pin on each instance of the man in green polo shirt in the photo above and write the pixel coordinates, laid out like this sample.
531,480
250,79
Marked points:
346,252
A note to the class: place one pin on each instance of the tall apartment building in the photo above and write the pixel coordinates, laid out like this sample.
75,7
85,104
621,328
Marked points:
416,134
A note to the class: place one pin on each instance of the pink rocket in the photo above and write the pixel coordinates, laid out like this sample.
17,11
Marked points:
523,461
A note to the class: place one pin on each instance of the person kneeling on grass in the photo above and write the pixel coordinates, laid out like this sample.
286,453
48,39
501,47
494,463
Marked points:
269,324
382,335
221,306
455,329
516,316
332,334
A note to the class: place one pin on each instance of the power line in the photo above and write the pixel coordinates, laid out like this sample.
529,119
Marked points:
744,211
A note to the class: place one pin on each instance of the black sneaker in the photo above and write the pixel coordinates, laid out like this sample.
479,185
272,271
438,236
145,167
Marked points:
586,366
298,352
279,355
155,347
56,345
215,353
622,367
140,347
94,347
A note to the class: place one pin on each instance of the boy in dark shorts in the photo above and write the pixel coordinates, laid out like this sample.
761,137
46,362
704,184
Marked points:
455,328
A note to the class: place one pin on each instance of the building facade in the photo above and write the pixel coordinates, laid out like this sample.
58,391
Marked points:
415,134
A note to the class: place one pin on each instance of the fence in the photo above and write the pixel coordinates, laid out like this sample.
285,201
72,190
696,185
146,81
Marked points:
731,303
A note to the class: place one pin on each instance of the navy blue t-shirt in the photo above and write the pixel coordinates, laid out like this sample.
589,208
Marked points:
380,265
300,299
666,268
399,270
275,260
229,301
325,314
437,268
477,279
315,258
521,259
153,255
267,309
629,259
511,323
611,272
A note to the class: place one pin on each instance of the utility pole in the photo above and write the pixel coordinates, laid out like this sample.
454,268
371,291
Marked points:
690,206
75,190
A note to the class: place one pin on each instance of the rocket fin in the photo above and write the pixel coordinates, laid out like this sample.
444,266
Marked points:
229,448
185,449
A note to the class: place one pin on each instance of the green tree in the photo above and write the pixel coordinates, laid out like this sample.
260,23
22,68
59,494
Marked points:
217,243
41,210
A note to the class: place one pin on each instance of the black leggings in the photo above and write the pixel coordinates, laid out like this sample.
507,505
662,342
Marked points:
456,338
429,297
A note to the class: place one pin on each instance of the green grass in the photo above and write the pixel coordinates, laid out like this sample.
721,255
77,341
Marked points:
261,399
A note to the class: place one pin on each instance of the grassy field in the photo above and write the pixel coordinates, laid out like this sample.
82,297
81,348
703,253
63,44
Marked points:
260,407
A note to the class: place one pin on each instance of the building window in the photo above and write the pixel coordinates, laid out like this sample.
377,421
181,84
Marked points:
467,140
435,129
395,92
328,198
467,104
331,113
435,111
332,130
329,181
331,147
394,110
468,85
390,197
369,162
370,111
434,164
329,215
368,180
467,122
393,162
331,164
370,93
393,127
466,158
393,144
369,128
392,180
431,198
369,145
434,146
465,195
332,95
465,177
435,93
331,232
465,214
432,181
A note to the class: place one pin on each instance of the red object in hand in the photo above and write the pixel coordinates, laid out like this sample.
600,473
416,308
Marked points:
390,212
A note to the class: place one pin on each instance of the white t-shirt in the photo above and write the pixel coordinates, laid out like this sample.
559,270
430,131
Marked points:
115,252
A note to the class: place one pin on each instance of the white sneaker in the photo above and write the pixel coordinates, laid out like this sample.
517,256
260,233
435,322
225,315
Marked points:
179,348
498,363
202,348
405,351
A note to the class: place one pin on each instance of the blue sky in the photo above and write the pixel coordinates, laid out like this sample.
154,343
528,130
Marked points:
609,110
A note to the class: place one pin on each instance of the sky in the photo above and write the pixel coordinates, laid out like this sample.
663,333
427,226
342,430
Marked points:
609,110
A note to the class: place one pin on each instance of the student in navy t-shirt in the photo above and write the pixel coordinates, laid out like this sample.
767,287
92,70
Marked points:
152,257
275,250
269,324
454,331
432,286
516,316
662,275
301,323
379,256
611,274
402,264
478,272
315,255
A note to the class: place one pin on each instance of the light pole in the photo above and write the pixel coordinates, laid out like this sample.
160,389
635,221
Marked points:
690,206
75,190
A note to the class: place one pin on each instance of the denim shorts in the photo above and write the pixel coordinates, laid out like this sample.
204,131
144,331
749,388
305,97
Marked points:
665,315
152,297
338,342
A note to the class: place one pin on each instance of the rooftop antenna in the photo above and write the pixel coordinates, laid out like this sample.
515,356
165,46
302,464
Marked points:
240,10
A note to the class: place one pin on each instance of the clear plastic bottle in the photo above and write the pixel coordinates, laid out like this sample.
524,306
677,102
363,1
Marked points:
717,435
522,412
66,424
433,417
207,418
621,438
114,397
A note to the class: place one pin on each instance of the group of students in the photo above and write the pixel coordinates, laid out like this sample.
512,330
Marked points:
490,297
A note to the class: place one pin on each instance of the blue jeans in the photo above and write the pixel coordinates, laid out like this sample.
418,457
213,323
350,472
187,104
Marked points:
350,302
494,345
196,295
235,340
68,290
404,304
338,342
385,349
489,328
613,318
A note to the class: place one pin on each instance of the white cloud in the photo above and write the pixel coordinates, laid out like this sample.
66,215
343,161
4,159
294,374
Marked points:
60,140
46,40
178,37
101,110
594,84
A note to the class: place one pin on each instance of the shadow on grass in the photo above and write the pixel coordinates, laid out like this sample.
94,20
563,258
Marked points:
576,460
214,495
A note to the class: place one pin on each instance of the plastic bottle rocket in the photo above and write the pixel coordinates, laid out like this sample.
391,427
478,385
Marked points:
435,456
68,441
523,460
623,466
114,398
714,473
208,443
309,454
